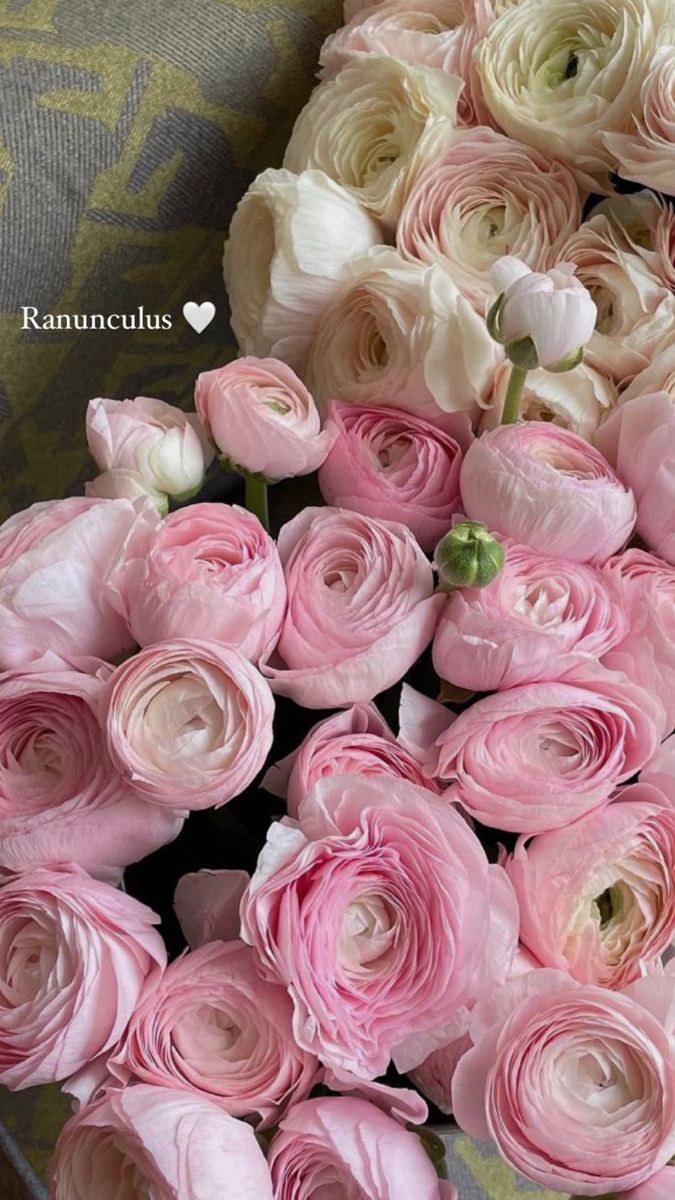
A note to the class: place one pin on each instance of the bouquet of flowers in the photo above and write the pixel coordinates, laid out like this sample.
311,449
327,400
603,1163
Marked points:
449,678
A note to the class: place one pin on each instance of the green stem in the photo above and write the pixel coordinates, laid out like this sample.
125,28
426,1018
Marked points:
514,393
256,499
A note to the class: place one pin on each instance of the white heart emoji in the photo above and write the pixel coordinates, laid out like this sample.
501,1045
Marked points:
199,315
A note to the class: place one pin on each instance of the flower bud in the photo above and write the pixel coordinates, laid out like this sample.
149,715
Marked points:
541,320
468,556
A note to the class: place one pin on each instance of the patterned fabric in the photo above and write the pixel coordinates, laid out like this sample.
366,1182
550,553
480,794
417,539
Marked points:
128,132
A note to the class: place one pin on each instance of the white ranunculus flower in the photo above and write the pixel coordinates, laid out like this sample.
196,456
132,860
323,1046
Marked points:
561,75
648,225
578,400
484,197
290,241
636,311
659,376
401,334
647,154
434,33
374,127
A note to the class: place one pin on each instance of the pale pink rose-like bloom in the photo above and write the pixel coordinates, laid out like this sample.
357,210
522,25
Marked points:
213,1027
61,799
361,608
578,400
537,620
659,376
372,910
483,197
659,772
342,1146
153,1141
644,587
168,448
554,308
433,33
355,742
54,558
575,1083
647,154
639,440
400,334
262,418
635,307
187,722
538,756
209,566
207,905
597,898
75,958
390,464
645,224
121,484
548,489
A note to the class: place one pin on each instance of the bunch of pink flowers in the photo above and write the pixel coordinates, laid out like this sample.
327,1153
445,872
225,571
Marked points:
483,898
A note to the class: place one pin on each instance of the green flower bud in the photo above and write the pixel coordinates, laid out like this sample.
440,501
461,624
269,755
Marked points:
468,556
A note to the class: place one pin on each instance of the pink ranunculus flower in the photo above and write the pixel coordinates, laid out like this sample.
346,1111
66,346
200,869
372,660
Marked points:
342,1146
371,909
188,722
153,1141
262,418
597,898
484,196
537,620
659,376
213,1027
659,772
168,448
554,308
357,741
361,608
61,799
541,755
208,566
575,1083
639,440
54,558
644,587
432,33
391,464
548,489
75,958
646,155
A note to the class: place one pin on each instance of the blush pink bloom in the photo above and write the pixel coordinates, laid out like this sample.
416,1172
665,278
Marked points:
537,620
597,898
391,464
341,1146
213,1027
659,772
644,587
361,608
538,756
372,910
355,742
188,722
75,958
432,33
208,566
548,489
167,448
152,1141
53,561
553,309
639,441
61,799
576,1084
647,154
262,418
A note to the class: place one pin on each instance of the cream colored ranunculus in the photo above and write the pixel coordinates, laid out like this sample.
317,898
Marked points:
290,241
636,311
659,376
647,154
578,400
562,74
374,127
647,223
401,334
